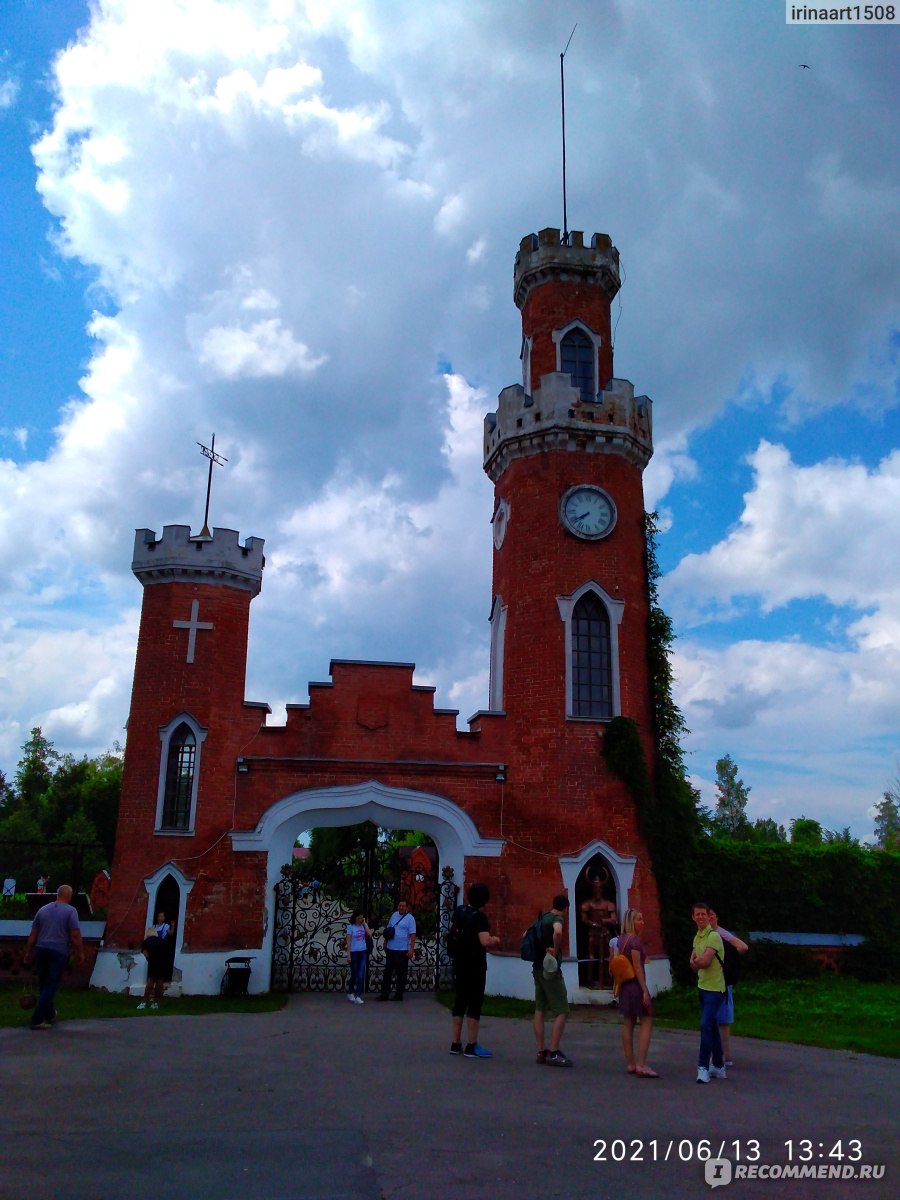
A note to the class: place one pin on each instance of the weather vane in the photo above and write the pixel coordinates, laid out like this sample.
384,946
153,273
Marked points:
562,88
214,460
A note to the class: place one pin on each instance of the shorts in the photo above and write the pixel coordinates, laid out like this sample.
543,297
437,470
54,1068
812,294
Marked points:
726,1012
550,994
469,997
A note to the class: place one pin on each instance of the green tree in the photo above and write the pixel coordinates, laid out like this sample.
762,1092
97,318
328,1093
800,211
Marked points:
806,832
839,837
34,773
6,793
765,830
887,819
88,788
59,799
732,794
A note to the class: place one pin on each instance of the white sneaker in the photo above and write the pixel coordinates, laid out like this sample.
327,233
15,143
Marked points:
702,1075
717,1073
143,1004
351,997
153,1004
359,1000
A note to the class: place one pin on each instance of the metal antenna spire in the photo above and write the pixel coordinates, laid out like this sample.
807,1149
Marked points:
214,460
562,87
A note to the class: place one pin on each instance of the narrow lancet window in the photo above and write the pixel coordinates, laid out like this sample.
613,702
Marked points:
180,767
592,694
578,359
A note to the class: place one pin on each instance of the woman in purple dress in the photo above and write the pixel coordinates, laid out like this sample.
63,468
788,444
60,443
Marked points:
634,998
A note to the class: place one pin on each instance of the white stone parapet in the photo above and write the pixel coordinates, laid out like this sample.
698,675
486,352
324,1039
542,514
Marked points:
556,418
177,557
542,256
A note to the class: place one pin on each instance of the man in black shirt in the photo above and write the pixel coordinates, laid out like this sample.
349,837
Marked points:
470,967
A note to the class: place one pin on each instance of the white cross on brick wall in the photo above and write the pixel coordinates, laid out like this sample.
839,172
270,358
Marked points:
192,626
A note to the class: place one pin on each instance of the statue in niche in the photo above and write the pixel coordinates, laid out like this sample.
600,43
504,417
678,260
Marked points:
600,921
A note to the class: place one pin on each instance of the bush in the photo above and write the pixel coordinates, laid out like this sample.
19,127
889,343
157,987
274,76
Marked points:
774,960
875,961
14,908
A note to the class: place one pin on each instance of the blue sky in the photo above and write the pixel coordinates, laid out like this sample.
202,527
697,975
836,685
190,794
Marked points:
294,224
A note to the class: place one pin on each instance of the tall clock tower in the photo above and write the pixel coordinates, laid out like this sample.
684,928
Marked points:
566,450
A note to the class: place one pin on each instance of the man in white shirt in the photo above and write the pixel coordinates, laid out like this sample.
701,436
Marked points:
398,950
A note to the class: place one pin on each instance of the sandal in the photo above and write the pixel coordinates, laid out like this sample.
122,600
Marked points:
632,1069
646,1073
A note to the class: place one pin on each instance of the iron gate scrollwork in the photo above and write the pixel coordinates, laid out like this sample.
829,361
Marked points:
309,942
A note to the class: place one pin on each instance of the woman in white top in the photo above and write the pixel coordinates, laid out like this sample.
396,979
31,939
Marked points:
357,933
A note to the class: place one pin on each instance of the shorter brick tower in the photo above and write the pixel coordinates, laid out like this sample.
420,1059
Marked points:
188,721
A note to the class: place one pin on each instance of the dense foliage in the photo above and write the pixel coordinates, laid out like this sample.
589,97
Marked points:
821,881
361,865
58,815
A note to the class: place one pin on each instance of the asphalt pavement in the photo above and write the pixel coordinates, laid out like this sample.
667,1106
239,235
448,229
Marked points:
328,1100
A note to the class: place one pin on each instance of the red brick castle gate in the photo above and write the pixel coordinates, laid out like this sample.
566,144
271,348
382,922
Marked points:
213,798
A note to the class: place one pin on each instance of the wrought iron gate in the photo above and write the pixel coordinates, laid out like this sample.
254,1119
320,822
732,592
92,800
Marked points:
309,944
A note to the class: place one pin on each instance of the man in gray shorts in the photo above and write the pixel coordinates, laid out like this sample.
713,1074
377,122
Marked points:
54,930
550,987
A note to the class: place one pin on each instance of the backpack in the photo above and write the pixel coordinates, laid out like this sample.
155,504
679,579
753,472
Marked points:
459,936
731,966
621,969
533,947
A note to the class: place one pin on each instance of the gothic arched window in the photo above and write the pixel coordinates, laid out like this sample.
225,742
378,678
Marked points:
592,692
181,764
578,357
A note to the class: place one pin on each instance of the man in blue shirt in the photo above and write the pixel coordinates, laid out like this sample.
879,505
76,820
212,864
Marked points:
398,950
54,930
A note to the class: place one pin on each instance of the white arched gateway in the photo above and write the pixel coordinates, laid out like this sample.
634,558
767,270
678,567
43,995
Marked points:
453,831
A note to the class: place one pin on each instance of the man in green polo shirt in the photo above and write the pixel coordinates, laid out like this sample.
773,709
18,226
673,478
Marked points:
707,959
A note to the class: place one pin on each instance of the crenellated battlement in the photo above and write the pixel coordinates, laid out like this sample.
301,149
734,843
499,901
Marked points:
179,557
542,256
556,418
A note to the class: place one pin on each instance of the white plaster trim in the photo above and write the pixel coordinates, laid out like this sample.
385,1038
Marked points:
559,334
525,356
508,975
165,736
125,971
615,609
498,652
152,882
620,866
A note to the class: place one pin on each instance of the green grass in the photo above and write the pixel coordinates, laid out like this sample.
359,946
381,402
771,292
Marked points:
89,1005
833,1011
496,1006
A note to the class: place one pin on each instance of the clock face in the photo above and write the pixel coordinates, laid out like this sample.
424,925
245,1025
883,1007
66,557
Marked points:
587,511
499,522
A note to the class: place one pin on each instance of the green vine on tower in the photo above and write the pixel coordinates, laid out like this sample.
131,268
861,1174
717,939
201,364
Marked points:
667,804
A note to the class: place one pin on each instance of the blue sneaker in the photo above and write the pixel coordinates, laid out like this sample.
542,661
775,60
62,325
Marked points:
473,1050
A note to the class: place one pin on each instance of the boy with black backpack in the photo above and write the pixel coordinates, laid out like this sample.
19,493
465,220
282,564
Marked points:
468,942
